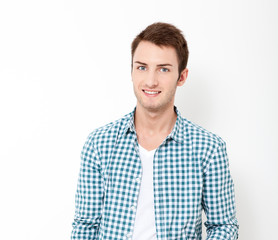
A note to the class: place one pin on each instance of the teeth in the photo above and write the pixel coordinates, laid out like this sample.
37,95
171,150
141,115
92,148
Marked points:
148,92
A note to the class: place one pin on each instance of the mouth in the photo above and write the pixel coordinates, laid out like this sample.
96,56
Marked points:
151,92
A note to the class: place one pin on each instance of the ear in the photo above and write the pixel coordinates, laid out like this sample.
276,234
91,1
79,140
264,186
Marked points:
183,77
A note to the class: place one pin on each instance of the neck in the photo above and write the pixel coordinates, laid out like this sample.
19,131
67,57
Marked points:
152,123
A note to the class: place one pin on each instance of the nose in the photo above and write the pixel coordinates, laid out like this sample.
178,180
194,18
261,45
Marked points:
151,79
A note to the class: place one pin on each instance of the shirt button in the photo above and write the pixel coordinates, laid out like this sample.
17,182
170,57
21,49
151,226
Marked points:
133,208
129,234
138,179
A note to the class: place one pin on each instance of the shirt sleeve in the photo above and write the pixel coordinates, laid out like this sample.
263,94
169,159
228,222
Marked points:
218,199
89,195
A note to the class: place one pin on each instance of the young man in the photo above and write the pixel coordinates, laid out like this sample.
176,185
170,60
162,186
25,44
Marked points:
149,175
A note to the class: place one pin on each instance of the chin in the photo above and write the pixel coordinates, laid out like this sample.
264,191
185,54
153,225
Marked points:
153,108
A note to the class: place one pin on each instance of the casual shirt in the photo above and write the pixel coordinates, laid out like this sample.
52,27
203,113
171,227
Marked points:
190,173
144,225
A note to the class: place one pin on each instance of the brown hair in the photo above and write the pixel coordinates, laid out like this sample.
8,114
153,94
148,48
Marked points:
164,34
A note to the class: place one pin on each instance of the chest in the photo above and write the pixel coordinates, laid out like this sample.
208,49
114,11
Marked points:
176,170
176,185
150,142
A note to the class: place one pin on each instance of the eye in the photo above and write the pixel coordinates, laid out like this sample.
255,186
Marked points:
142,68
164,70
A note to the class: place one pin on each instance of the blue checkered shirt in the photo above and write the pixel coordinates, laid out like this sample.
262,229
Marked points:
190,173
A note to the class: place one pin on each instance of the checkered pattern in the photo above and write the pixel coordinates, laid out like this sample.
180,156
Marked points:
190,173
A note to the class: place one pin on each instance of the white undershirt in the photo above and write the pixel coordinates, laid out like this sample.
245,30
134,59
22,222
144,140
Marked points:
144,226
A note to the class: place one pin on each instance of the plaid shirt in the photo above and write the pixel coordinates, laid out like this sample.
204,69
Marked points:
190,173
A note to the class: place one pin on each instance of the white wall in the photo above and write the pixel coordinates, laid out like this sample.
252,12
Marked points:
65,70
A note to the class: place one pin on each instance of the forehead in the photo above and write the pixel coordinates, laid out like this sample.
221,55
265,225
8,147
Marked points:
150,53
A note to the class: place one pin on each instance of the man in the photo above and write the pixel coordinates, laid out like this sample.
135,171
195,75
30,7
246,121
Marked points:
149,175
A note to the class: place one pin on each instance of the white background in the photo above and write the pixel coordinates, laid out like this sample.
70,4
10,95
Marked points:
65,70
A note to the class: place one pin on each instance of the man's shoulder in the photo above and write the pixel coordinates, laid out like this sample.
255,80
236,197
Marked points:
110,130
200,134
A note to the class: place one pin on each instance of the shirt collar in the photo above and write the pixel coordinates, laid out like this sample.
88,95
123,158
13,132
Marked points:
178,130
130,126
177,133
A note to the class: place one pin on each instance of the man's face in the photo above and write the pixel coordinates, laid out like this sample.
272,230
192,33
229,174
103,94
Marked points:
155,76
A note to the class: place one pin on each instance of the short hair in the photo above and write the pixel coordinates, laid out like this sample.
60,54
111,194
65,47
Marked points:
164,34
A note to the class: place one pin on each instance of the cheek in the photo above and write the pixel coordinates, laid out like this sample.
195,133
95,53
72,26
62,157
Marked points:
136,83
169,81
136,78
133,76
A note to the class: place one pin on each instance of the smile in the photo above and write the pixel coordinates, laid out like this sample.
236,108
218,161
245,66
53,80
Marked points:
151,92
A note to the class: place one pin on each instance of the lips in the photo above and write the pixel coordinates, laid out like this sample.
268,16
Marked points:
151,92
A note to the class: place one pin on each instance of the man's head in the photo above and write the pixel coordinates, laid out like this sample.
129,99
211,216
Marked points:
164,34
159,58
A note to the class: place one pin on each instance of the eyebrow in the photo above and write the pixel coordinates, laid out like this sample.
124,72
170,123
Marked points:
140,63
165,64
160,65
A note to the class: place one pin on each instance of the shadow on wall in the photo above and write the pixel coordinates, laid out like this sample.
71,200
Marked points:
246,207
194,100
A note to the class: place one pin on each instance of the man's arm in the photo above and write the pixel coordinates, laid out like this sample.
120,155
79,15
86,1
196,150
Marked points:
89,195
218,198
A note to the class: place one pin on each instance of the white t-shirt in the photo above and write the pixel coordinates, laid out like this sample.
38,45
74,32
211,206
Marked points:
144,226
